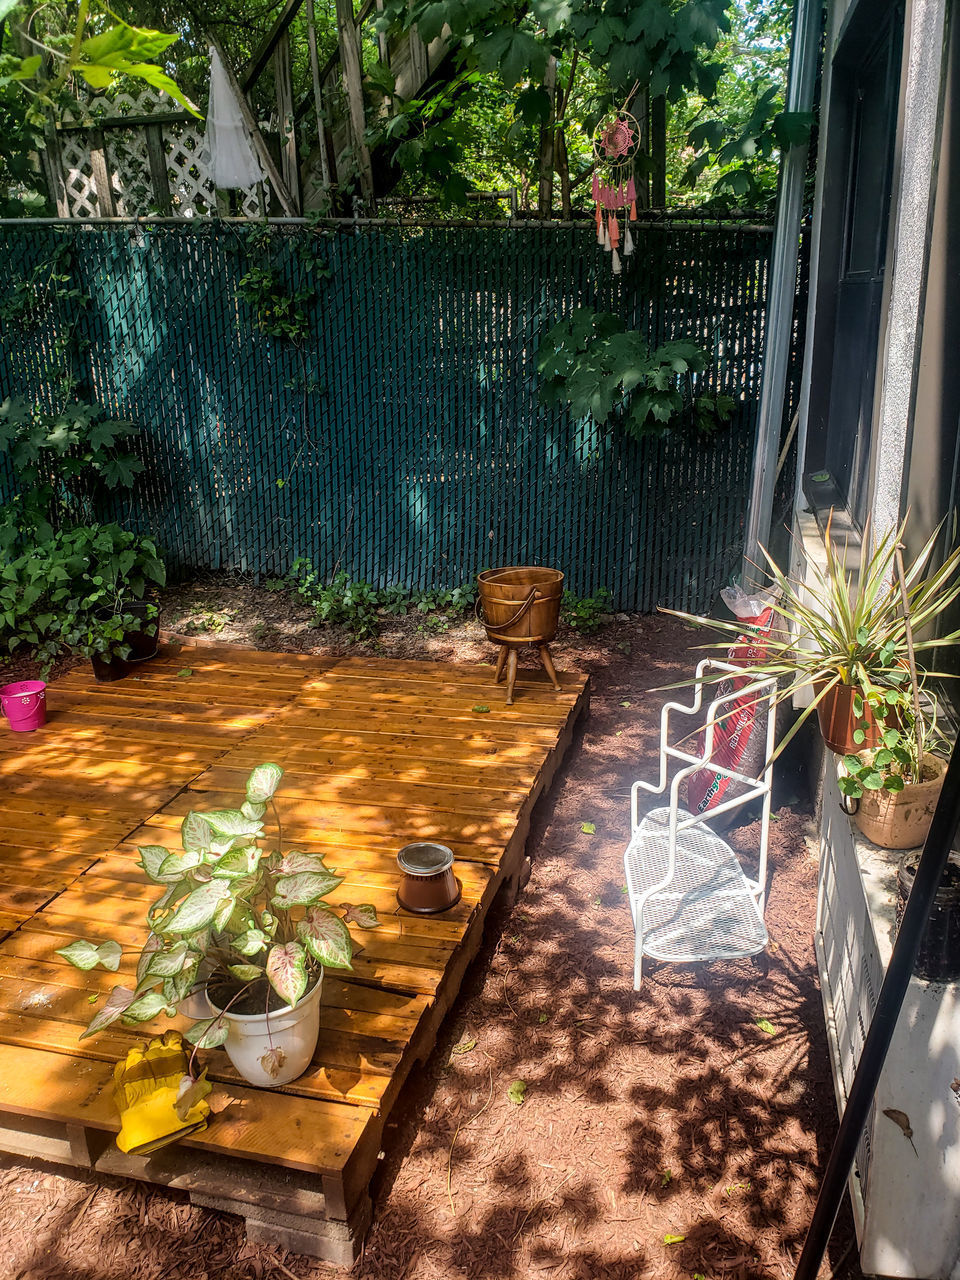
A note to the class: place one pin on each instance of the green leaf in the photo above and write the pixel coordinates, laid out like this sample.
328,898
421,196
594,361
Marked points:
893,783
176,865
304,889
146,1007
167,962
326,937
287,971
517,1092
195,833
464,1046
231,822
294,863
208,1033
588,828
198,908
86,955
185,672
872,779
765,1025
263,782
245,972
236,863
250,943
481,708
669,1239
152,858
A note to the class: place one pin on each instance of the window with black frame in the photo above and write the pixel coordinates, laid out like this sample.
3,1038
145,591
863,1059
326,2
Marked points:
853,248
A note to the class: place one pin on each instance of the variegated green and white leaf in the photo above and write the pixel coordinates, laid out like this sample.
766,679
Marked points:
238,862
198,908
152,858
250,810
223,844
119,999
250,943
195,833
327,938
176,865
150,948
305,889
263,782
165,963
208,1033
179,985
245,972
231,822
86,955
287,971
295,863
223,916
173,893
146,1007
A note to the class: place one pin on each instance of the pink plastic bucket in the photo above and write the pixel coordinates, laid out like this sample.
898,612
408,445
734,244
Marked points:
24,704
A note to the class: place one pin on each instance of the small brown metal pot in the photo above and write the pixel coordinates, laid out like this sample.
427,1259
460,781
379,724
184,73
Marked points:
429,885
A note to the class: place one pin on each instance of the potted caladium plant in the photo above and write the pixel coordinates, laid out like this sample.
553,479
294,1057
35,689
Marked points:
244,926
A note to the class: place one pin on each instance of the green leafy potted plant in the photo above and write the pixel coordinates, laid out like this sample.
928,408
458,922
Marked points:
845,636
115,618
897,784
247,927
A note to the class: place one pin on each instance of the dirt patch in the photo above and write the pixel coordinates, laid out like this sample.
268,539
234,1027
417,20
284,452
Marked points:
666,1133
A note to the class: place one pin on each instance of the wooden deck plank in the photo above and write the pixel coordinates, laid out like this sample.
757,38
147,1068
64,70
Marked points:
375,755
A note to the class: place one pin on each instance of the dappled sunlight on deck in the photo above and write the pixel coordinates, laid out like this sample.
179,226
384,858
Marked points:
376,754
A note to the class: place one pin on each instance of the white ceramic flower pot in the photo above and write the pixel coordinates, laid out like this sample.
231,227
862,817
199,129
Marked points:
293,1030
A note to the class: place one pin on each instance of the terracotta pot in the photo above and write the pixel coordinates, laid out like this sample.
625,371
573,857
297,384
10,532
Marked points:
837,720
429,885
901,819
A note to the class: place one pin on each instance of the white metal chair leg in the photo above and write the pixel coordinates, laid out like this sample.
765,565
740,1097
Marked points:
638,962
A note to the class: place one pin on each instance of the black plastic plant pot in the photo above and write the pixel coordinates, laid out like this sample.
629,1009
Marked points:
938,959
143,643
106,669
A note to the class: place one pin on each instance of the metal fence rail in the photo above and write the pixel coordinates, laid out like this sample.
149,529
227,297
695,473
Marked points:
405,442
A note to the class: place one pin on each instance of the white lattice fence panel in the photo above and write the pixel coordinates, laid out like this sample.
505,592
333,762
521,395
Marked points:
192,192
81,192
130,169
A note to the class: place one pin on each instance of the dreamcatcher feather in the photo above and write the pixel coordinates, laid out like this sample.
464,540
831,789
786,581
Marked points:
615,145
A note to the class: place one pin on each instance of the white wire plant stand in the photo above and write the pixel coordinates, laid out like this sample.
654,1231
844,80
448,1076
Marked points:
689,896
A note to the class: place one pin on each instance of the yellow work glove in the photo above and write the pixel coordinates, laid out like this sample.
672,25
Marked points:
158,1102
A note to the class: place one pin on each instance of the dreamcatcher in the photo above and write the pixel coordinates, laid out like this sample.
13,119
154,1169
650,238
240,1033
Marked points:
615,145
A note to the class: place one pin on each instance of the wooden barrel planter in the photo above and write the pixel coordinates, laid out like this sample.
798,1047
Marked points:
521,607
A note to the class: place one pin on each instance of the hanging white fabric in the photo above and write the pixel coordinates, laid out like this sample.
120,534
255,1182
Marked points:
232,159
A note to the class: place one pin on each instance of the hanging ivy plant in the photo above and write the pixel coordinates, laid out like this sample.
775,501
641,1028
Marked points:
598,367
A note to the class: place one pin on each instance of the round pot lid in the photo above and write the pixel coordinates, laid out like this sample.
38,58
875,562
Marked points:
425,858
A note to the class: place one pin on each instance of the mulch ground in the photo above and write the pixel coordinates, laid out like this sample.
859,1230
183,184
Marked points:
664,1133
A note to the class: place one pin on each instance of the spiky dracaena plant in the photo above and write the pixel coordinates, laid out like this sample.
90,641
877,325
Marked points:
257,919
844,627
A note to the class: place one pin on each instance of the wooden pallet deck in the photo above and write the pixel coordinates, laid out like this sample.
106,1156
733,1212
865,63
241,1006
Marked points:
377,753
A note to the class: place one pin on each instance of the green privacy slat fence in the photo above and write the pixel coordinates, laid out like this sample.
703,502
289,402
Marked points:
406,442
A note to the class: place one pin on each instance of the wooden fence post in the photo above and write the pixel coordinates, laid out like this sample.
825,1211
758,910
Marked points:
283,77
106,204
159,178
352,69
51,161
